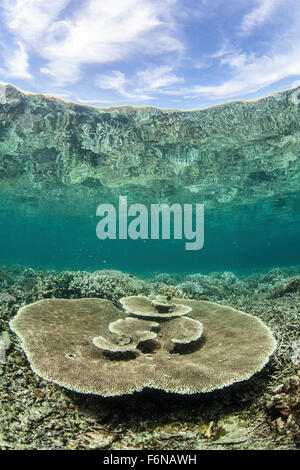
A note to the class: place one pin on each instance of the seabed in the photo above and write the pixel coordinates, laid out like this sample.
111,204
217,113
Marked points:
260,413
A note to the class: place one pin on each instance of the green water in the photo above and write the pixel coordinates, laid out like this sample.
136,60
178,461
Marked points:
241,239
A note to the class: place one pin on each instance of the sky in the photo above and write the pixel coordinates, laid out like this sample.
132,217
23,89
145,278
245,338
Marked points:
178,54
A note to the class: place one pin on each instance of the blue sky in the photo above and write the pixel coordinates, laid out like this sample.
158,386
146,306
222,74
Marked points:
182,54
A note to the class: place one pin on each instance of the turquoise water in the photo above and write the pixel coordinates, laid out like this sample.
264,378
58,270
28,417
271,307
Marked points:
241,239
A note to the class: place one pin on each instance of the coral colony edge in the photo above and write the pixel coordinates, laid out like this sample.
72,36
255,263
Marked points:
150,275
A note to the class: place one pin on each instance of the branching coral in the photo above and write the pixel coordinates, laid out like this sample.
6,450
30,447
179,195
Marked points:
190,288
110,285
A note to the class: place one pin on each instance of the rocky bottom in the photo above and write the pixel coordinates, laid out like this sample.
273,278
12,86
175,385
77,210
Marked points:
261,413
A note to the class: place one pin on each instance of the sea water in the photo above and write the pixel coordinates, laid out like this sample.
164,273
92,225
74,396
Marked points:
242,239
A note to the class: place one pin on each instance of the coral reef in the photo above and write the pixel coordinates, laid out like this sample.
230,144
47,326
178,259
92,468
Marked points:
295,358
5,279
37,414
293,285
106,284
168,291
164,278
284,408
191,288
37,285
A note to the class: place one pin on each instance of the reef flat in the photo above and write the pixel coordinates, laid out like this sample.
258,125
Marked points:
261,413
52,151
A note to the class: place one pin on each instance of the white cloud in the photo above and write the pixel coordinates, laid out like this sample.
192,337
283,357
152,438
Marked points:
62,72
143,84
117,81
16,62
107,32
259,15
29,19
155,78
93,32
235,59
114,81
225,49
252,74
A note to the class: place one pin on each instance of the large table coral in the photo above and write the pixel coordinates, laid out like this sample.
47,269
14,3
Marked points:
81,344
